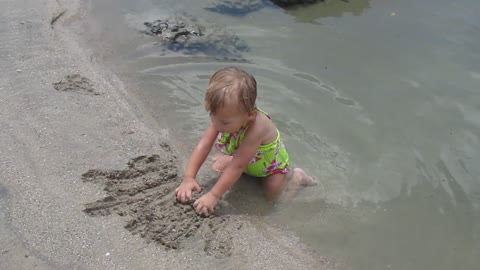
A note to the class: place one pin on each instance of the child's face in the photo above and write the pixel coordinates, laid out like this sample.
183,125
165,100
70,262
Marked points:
230,119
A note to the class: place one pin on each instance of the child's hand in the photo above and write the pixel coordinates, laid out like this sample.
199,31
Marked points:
184,191
205,205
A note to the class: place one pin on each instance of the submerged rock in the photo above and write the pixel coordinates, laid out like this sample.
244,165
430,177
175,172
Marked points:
243,7
304,10
286,3
333,8
236,7
171,30
188,35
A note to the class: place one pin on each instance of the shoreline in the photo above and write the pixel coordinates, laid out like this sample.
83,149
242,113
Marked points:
51,137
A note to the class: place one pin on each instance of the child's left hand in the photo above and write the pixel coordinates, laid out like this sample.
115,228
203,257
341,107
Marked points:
205,205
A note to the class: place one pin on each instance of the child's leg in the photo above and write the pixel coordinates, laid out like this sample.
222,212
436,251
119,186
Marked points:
220,161
275,184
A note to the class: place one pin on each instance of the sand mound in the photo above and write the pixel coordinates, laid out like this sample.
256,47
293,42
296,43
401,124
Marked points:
76,83
144,192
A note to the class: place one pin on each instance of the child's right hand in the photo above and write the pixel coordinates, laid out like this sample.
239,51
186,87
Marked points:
184,191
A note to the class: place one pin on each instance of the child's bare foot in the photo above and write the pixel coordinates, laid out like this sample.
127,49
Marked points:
297,179
220,162
301,179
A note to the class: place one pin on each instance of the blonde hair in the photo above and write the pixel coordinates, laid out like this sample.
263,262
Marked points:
227,83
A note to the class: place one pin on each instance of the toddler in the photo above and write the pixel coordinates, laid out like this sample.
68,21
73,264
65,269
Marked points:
246,138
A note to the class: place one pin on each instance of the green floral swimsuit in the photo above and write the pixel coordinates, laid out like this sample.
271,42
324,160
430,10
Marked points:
270,158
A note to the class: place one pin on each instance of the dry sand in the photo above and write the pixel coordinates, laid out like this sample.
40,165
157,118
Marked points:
66,121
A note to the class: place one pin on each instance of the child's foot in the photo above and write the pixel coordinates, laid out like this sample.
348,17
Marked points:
297,179
301,179
220,162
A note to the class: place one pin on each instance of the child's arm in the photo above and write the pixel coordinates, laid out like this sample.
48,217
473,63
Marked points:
246,151
198,156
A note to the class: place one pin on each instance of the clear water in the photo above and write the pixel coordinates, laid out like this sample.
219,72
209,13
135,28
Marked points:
379,100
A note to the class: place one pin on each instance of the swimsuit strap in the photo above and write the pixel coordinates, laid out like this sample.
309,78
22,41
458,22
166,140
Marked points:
265,113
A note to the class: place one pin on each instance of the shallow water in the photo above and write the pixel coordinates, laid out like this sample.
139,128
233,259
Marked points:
378,100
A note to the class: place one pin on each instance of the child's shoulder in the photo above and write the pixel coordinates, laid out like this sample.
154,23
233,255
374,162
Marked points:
263,119
265,128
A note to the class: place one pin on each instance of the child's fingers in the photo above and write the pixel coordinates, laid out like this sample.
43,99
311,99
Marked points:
203,211
182,196
188,195
199,208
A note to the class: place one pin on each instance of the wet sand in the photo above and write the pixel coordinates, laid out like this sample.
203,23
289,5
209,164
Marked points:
86,179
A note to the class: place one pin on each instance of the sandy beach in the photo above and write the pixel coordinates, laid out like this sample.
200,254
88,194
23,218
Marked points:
73,140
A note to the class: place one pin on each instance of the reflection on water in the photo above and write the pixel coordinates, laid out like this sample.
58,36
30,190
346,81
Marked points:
381,106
